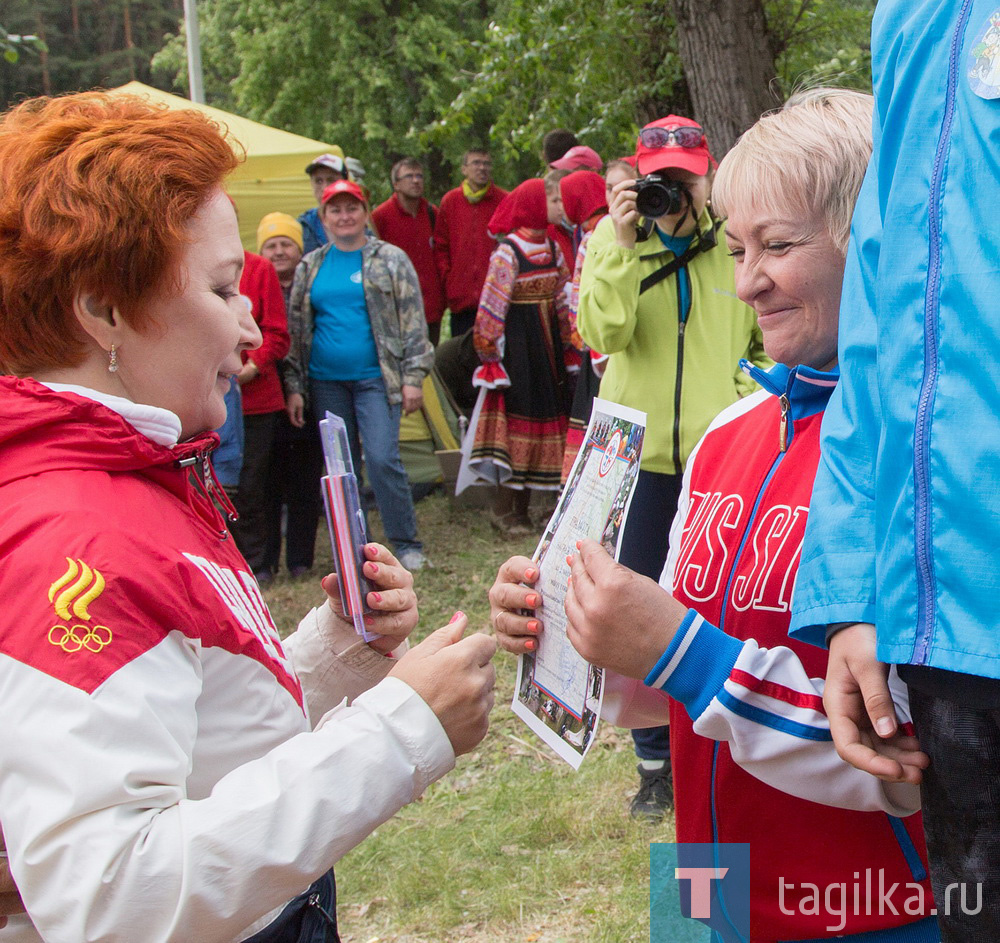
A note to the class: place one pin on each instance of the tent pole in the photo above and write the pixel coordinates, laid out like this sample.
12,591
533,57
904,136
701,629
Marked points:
196,91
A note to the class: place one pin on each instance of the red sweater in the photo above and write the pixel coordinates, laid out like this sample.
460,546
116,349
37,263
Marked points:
415,236
463,246
259,282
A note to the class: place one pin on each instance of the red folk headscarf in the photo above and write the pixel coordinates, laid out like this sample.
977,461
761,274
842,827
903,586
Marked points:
582,195
524,207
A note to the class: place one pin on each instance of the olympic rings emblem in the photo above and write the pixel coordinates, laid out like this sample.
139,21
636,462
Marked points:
73,638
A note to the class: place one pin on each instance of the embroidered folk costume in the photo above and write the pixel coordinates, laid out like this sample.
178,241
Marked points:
521,332
585,204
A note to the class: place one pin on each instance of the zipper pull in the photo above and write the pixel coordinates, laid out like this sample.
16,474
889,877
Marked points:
681,325
206,473
783,428
314,901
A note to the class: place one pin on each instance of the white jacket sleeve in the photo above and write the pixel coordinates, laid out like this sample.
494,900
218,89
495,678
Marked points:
104,839
332,662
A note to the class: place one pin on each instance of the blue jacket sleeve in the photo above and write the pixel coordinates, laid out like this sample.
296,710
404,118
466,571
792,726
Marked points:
836,579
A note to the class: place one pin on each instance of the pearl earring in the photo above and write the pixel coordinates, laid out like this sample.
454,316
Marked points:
113,360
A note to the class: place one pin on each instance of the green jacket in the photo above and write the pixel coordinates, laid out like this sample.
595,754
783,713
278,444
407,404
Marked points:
681,372
395,308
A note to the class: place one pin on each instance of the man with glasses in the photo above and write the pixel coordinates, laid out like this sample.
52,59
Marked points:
462,244
407,220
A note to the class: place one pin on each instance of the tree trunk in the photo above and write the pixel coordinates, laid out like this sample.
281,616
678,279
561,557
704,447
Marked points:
129,41
43,55
728,63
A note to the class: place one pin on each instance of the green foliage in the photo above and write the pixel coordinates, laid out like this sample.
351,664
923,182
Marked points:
602,70
218,22
83,43
591,68
11,45
368,75
822,42
384,79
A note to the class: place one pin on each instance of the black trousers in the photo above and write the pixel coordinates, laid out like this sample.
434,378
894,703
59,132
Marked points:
462,321
309,918
293,482
644,549
251,496
960,797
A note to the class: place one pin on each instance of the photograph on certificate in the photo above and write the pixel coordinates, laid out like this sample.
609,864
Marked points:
558,694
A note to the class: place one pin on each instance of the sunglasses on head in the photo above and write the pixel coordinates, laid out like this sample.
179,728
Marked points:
672,137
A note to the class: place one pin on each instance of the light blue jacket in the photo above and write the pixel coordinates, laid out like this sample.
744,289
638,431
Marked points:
905,523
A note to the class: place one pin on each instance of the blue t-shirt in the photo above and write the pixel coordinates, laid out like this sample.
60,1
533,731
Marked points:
679,245
343,345
227,459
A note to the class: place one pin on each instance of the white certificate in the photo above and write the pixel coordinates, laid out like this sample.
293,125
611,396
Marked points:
559,695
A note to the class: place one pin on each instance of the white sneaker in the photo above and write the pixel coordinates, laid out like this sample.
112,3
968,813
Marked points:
414,560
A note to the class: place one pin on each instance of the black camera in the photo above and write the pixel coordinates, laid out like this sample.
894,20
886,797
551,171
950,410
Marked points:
657,196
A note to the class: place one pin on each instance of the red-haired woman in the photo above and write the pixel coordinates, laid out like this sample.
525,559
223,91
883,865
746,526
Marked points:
521,330
169,769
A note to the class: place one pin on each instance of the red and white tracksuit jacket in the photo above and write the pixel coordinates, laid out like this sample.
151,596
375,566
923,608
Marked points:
160,779
753,757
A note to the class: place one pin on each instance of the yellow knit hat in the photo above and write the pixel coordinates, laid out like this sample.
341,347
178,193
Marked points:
279,224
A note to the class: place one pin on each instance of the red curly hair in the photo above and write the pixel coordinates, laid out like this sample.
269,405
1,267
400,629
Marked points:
96,191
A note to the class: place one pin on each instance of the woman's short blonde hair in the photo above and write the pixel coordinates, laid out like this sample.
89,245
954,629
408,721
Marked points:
809,156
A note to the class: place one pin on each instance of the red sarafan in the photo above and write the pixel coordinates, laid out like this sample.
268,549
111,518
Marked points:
95,193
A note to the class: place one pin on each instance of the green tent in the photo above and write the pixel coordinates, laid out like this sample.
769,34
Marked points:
432,429
272,178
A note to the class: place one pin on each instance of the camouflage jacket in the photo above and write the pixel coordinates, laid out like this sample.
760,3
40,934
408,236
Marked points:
395,308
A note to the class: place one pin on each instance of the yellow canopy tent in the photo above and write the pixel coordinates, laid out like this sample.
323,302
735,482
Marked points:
273,175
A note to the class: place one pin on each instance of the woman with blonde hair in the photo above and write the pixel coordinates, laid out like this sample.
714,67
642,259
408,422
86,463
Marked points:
754,761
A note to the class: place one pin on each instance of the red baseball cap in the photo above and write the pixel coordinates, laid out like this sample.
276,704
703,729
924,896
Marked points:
652,155
343,186
577,157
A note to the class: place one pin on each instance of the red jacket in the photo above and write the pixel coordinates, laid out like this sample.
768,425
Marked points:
259,282
735,549
463,246
156,725
415,236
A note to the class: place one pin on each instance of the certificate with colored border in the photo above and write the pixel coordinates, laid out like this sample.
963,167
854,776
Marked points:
558,694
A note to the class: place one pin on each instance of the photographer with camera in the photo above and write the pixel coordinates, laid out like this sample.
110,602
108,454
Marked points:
657,294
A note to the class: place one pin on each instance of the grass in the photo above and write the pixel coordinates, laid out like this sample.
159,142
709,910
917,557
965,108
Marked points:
513,845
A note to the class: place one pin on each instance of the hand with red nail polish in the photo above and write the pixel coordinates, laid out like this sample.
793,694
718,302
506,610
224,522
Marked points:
392,600
513,606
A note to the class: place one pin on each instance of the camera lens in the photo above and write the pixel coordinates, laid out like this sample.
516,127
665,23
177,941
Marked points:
656,197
